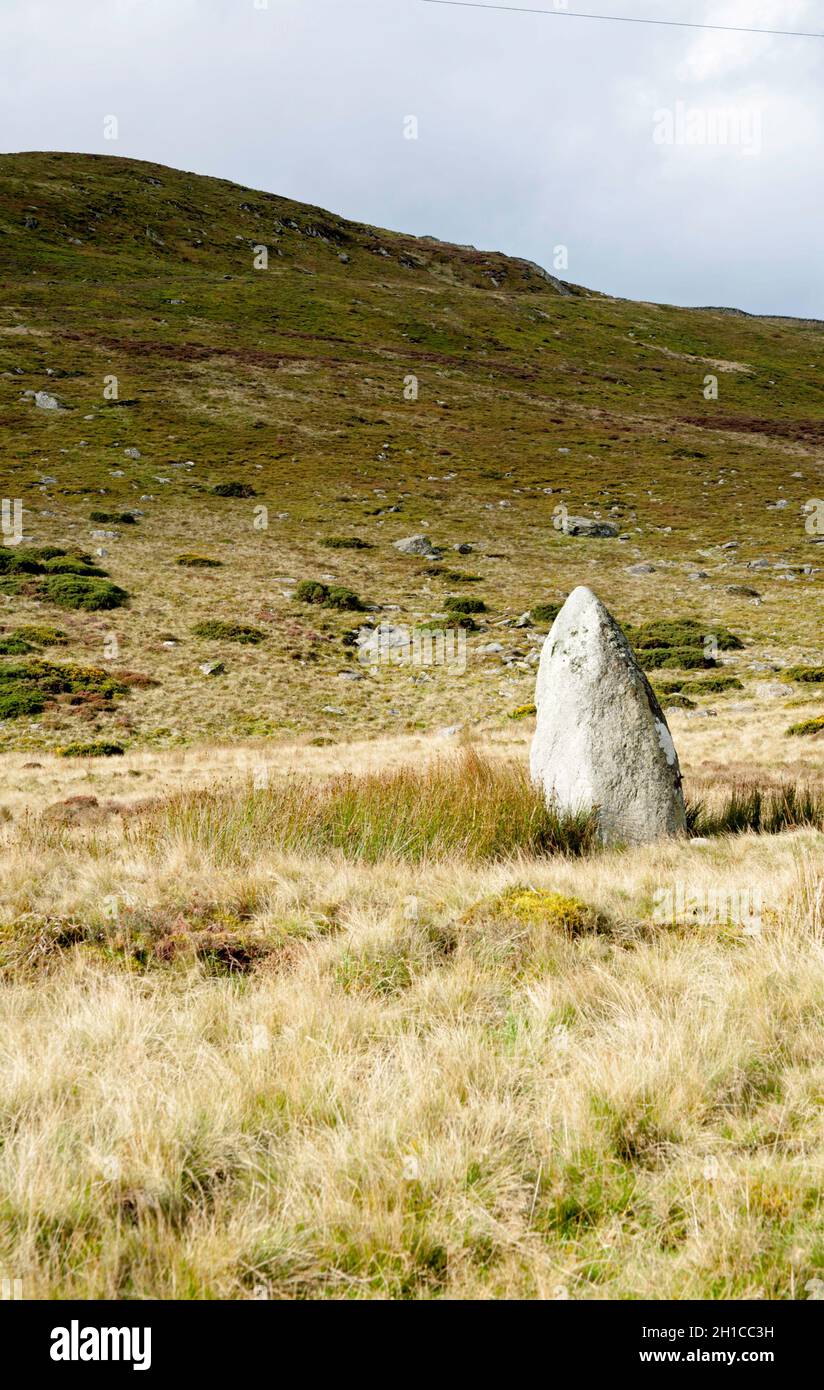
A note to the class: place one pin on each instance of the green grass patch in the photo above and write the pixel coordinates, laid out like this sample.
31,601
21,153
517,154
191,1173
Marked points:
198,562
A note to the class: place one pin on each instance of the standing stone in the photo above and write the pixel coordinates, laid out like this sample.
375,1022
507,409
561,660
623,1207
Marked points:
601,740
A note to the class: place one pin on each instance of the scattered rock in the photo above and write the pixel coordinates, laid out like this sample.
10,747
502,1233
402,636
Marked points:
44,401
586,526
641,569
211,668
418,545
602,742
375,641
451,731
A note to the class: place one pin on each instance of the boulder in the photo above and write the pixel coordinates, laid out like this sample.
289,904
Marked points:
601,741
586,526
418,545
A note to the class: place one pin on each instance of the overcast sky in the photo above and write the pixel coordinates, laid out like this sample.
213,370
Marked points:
534,131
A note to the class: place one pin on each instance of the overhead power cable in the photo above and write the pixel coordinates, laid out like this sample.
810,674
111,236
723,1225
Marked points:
628,19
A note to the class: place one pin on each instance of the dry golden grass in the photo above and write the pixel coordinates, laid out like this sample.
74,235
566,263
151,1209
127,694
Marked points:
304,1076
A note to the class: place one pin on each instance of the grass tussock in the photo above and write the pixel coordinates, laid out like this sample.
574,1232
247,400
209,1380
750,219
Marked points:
463,807
450,1103
752,809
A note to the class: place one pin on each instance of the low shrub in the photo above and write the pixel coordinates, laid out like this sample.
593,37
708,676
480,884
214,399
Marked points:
216,631
453,576
76,591
41,635
712,685
462,620
114,518
14,645
198,562
312,591
674,659
329,596
92,750
679,634
545,613
807,727
73,564
346,600
234,490
346,543
27,687
806,675
41,559
523,712
462,603
16,701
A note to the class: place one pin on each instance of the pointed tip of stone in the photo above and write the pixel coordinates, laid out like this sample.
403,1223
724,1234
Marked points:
582,597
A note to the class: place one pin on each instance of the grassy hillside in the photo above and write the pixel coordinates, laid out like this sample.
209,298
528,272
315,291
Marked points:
292,383
291,1006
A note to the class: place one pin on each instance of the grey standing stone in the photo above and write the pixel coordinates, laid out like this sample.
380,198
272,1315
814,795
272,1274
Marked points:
602,742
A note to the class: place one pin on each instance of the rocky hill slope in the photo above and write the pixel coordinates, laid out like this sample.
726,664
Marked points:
169,391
